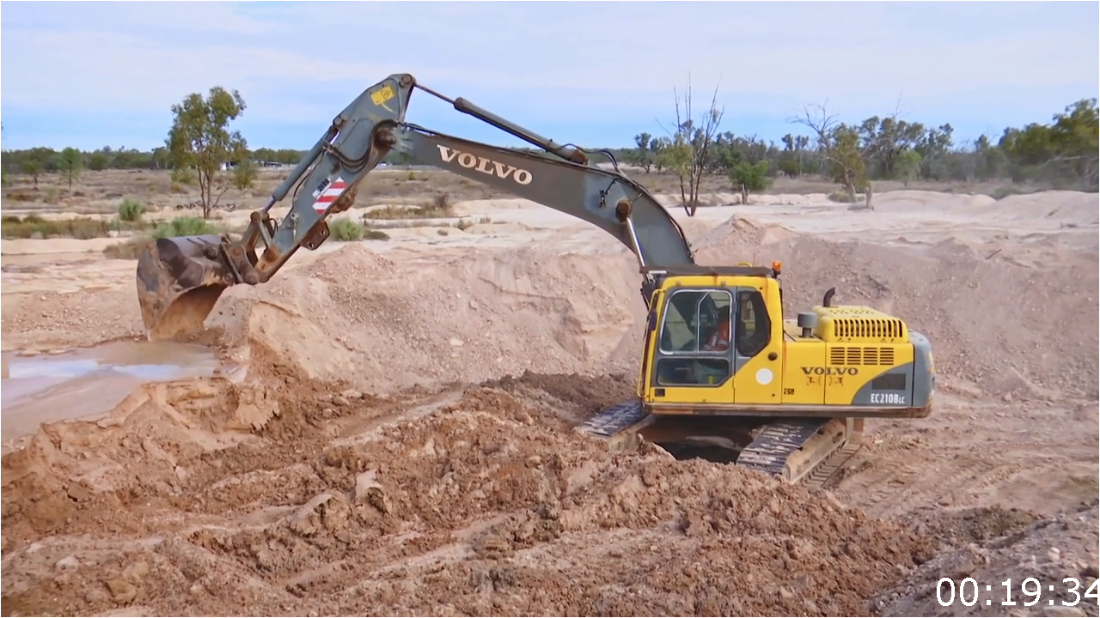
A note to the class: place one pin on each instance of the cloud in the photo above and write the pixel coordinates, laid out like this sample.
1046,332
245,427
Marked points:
555,62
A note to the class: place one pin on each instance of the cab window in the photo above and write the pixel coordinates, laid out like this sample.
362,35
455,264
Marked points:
695,334
695,320
753,324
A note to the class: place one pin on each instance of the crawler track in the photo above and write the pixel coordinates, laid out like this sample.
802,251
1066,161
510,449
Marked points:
803,452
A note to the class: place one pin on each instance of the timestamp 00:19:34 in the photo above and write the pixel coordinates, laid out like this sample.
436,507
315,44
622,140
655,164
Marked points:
970,593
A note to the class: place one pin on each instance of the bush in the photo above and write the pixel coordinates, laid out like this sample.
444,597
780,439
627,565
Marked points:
185,226
753,177
131,210
840,196
1002,192
129,249
345,230
439,207
33,226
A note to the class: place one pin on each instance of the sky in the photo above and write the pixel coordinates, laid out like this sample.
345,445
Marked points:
96,74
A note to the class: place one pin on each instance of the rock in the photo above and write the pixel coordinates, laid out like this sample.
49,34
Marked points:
136,571
96,595
351,394
370,491
121,590
68,562
308,519
458,343
339,400
78,492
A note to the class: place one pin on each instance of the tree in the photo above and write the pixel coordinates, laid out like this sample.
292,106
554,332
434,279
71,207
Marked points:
1066,148
69,163
691,145
244,174
200,140
36,161
643,156
907,165
32,168
748,177
840,146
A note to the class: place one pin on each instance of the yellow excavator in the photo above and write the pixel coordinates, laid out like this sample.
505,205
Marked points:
723,374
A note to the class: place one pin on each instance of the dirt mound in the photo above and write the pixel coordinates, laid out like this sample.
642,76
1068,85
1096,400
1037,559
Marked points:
1007,326
1050,551
912,200
1069,208
490,504
384,325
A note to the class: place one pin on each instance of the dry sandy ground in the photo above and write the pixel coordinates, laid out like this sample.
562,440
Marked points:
367,453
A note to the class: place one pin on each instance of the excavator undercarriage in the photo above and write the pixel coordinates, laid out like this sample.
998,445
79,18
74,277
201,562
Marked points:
797,451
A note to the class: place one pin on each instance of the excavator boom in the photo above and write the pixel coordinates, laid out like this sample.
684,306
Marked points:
180,279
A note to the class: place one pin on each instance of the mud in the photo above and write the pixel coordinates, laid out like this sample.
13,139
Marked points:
87,382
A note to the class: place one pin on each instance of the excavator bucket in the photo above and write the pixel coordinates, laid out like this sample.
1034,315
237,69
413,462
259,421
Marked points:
178,282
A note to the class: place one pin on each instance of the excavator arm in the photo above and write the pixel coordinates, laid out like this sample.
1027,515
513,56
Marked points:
180,279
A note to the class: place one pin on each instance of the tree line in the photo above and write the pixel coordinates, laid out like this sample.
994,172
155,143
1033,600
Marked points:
1062,152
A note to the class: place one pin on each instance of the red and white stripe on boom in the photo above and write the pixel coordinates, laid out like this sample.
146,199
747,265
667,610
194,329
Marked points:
332,192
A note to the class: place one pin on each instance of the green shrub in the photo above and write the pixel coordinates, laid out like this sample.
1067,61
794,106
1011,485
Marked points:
131,210
840,196
185,226
1002,192
753,177
33,226
345,230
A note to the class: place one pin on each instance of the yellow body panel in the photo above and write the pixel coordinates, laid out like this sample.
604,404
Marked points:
797,389
759,381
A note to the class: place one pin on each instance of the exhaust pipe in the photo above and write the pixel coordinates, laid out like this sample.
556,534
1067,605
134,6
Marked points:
179,280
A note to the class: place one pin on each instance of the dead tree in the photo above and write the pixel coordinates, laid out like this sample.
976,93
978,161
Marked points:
689,152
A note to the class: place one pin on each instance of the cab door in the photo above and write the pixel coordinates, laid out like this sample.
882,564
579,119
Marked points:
757,346
693,357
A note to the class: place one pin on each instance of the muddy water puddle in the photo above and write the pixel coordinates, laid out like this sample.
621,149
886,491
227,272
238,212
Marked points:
89,382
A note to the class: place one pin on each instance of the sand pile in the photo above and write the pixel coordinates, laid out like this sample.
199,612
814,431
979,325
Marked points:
1049,550
489,505
1007,326
1068,208
384,325
911,201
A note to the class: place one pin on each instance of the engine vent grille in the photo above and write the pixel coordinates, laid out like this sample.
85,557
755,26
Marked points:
854,355
868,328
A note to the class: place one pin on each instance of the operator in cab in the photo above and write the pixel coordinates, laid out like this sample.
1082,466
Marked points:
719,340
